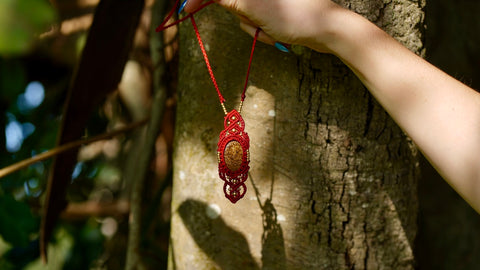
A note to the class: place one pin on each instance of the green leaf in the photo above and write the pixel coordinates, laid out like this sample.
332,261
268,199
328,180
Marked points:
16,221
21,21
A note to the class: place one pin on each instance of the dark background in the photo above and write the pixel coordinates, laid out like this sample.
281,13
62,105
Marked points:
449,229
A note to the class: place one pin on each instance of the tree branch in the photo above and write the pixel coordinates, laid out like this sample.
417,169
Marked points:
66,147
157,112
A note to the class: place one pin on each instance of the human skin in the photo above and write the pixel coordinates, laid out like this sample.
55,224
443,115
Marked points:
439,113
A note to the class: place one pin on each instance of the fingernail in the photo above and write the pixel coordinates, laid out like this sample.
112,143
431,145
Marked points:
281,47
182,6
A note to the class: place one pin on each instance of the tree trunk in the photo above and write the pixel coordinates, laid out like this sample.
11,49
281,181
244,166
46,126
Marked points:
332,183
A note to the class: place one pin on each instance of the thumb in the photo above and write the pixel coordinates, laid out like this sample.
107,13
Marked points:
251,29
232,5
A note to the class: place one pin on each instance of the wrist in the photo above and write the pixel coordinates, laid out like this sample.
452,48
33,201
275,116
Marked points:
325,28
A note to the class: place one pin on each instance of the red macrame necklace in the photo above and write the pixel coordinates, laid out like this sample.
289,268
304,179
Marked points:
233,144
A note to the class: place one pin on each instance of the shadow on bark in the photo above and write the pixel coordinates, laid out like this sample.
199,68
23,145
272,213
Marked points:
273,244
227,247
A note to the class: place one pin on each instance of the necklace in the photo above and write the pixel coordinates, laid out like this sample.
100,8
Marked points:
233,152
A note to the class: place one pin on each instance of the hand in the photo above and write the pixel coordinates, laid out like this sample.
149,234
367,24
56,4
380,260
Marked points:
304,22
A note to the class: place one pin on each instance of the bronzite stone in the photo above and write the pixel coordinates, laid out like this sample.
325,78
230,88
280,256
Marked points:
233,155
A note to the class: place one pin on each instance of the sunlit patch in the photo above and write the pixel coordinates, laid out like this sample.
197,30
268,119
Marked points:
32,97
32,187
182,175
213,211
16,133
109,227
77,170
13,136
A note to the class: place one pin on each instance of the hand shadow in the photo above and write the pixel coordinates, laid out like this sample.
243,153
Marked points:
273,247
227,247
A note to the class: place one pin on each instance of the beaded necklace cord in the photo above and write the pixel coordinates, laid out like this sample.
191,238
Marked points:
233,145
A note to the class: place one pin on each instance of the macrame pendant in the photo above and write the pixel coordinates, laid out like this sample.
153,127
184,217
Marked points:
233,156
233,144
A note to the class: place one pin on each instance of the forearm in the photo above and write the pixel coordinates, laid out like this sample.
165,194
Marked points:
439,113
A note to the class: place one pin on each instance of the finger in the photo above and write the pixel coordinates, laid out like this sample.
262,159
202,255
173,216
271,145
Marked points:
236,6
190,5
251,29
246,20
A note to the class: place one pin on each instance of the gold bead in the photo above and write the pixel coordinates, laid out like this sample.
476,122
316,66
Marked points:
240,107
223,107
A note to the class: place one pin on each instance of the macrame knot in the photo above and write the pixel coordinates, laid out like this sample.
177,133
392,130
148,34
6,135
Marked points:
233,145
233,156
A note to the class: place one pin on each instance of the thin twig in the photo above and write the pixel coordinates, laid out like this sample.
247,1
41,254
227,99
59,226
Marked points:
84,210
65,147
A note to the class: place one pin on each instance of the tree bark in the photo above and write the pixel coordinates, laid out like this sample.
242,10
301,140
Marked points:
332,183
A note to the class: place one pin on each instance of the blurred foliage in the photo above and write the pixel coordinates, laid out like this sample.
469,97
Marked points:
21,21
28,55
16,221
87,244
20,192
25,57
